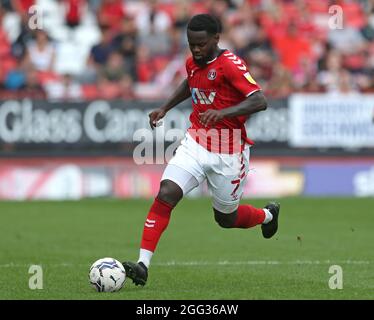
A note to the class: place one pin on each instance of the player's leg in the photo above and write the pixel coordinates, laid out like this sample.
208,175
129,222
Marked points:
226,182
182,174
234,215
175,183
156,222
247,216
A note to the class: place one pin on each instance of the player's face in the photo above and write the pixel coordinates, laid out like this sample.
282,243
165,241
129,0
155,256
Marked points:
202,45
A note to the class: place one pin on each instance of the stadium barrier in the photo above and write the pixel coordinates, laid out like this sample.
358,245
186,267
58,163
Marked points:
321,121
76,178
301,125
311,145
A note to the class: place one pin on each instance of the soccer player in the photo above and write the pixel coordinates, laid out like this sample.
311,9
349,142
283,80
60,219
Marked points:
216,146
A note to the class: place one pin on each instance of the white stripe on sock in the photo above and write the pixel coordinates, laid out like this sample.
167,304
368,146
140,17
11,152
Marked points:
149,225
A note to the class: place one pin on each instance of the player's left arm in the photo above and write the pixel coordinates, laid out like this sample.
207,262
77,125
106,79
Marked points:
254,103
240,79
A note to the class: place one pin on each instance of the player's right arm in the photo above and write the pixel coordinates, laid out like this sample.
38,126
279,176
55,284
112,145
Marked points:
181,93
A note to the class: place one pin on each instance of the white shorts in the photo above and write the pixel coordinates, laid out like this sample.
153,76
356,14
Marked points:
225,173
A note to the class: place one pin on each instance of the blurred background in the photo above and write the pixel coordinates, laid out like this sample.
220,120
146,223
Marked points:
79,77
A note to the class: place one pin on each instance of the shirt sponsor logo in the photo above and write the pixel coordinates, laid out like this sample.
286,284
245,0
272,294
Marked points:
202,97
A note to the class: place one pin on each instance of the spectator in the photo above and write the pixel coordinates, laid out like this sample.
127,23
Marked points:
125,43
6,5
65,89
110,14
127,88
291,48
100,52
74,11
152,20
347,40
22,8
281,40
159,43
128,30
260,63
19,46
145,68
332,69
114,69
32,88
243,30
280,84
41,52
345,83
220,9
16,78
182,13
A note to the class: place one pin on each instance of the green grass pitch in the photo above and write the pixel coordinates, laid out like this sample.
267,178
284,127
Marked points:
195,259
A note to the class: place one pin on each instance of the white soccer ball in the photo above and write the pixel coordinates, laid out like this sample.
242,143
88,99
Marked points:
107,275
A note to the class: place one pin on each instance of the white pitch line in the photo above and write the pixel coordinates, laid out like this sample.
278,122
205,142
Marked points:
208,263
259,262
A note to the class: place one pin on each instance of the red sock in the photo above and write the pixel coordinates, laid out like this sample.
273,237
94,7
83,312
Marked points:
249,216
157,221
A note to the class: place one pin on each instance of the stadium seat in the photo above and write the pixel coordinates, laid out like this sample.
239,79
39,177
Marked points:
90,91
70,58
87,35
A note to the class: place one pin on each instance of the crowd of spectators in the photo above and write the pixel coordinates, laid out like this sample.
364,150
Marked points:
71,50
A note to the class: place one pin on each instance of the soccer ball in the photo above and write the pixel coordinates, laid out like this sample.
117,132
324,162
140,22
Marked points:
107,275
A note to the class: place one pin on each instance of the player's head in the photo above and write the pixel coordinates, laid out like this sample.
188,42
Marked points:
203,36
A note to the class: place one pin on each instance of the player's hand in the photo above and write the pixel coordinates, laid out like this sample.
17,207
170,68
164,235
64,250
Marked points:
156,116
210,117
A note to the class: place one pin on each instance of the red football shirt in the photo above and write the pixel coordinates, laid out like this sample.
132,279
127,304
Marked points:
222,83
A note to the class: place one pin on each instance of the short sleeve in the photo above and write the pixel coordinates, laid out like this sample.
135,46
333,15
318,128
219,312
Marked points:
188,65
237,73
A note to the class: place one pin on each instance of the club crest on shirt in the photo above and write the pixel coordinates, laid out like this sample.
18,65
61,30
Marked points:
212,74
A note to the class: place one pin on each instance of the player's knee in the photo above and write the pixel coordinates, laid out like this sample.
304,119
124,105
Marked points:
170,192
224,220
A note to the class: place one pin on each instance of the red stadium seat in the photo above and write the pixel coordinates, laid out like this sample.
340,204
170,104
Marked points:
318,6
8,64
90,91
47,76
4,49
353,15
